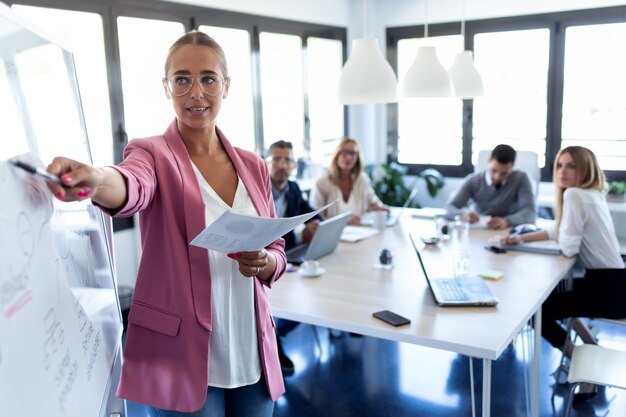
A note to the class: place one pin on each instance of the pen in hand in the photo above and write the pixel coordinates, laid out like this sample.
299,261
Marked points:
39,172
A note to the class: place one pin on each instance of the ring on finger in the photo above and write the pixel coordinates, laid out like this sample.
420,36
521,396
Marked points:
257,270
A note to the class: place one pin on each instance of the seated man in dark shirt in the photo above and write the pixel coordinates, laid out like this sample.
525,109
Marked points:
289,202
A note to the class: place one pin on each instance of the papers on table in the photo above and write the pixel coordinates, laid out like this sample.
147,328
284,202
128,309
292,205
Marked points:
355,233
233,232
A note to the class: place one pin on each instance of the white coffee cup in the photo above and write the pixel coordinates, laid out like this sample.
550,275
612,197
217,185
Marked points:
310,267
380,219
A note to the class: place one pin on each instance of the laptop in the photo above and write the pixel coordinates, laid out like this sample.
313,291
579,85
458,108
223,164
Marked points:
393,216
324,240
458,291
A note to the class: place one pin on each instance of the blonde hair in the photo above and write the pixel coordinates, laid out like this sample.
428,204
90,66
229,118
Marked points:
198,38
334,172
588,175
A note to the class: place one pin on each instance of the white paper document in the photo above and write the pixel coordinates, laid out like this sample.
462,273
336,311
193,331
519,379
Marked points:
356,233
233,232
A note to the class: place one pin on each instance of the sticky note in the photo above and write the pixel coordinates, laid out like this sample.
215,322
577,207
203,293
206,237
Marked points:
491,274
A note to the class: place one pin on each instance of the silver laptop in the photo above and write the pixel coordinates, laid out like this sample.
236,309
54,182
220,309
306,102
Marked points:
324,240
394,213
469,291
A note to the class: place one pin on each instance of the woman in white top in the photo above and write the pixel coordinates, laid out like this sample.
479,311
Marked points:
583,228
346,182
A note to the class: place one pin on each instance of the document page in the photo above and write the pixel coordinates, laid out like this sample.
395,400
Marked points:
233,232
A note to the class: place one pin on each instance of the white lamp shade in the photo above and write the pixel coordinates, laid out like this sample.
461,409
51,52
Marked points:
426,77
466,79
367,77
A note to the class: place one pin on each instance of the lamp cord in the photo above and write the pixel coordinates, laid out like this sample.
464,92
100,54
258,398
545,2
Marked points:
463,21
365,18
426,19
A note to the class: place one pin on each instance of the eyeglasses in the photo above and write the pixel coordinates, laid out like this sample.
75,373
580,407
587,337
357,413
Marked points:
277,160
211,84
348,152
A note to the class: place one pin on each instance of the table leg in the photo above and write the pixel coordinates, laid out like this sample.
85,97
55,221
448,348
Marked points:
536,362
487,387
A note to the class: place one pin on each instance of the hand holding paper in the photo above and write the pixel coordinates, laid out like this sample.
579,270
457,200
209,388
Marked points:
233,232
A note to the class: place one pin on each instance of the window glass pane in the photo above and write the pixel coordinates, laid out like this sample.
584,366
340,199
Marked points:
147,111
324,63
594,103
236,118
282,89
14,141
82,33
514,69
430,130
46,85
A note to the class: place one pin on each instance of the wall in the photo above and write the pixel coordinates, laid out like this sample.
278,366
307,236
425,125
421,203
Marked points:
329,12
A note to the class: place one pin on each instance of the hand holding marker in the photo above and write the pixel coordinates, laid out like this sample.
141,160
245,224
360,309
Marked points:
42,173
39,172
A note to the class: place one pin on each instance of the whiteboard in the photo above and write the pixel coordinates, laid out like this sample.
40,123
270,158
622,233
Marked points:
60,321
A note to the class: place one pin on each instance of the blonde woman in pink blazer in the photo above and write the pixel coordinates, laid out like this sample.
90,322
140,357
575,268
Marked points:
201,337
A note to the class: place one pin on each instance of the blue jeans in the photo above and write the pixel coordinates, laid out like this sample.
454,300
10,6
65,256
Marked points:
247,401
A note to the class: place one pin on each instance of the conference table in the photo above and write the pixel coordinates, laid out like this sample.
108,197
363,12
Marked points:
352,288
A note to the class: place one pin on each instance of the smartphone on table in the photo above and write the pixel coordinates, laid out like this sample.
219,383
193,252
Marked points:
391,318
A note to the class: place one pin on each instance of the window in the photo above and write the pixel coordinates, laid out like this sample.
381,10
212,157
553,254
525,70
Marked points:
324,64
429,121
236,118
147,110
514,69
594,103
551,81
12,125
282,91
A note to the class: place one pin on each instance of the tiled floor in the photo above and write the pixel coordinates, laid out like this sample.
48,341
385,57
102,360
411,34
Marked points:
364,376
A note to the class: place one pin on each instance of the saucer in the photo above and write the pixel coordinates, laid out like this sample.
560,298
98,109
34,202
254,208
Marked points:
319,272
430,241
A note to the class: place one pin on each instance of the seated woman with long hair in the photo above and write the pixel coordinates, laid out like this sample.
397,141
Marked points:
346,182
583,228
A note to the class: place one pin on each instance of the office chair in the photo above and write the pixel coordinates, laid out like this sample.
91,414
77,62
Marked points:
526,161
597,365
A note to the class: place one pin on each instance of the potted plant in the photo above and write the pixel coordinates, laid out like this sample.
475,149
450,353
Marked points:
388,181
616,191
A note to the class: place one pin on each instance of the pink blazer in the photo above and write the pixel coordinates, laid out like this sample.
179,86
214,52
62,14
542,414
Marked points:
167,344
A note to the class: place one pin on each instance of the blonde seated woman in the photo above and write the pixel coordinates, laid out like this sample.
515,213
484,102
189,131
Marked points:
583,228
347,182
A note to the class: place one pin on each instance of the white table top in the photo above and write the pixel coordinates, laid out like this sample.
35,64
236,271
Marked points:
352,289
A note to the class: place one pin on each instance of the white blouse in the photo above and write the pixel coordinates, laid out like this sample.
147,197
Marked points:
587,229
234,359
362,196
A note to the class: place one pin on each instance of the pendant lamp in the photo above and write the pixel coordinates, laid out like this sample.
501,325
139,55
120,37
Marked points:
465,77
426,77
366,76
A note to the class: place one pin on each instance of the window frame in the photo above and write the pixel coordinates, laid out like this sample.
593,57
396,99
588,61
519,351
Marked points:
557,23
192,16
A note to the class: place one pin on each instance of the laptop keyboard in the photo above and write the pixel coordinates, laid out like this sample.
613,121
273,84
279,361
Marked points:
452,289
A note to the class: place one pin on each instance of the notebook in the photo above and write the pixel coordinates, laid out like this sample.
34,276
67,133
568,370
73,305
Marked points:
470,291
324,240
393,215
546,247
